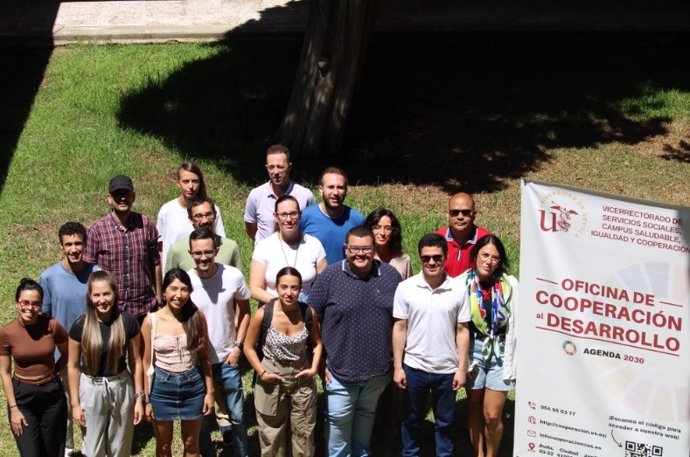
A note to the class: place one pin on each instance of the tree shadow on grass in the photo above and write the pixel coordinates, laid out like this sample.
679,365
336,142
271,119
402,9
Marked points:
460,111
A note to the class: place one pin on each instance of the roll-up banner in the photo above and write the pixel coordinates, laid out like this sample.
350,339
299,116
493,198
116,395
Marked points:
603,350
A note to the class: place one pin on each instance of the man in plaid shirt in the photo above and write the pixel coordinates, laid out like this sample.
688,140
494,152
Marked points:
124,243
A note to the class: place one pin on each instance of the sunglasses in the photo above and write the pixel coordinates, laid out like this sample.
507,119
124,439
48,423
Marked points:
427,258
456,212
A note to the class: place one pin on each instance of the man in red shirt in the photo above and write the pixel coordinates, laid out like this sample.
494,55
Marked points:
461,234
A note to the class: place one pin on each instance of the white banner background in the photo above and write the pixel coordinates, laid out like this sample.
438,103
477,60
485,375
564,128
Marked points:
603,334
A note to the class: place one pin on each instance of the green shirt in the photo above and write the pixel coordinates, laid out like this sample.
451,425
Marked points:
179,257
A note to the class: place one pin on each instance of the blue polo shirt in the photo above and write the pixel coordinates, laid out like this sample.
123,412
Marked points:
356,317
330,231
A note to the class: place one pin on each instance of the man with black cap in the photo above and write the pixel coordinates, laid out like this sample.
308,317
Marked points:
124,243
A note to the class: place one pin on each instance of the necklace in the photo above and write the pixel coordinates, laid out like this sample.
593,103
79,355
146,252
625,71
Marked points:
280,242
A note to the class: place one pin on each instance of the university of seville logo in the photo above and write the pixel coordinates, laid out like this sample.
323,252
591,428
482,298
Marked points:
561,211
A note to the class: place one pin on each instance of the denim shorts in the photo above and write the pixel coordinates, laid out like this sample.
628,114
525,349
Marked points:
489,372
177,396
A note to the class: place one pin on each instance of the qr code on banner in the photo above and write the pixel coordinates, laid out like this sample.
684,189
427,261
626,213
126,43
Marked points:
633,449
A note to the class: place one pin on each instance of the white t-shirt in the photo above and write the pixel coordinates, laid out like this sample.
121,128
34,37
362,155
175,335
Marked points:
216,297
173,223
432,316
276,254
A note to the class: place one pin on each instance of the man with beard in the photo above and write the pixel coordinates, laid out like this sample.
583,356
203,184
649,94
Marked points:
461,234
202,213
125,244
258,213
330,220
64,292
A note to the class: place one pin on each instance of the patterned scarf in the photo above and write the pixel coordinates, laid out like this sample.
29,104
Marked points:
500,295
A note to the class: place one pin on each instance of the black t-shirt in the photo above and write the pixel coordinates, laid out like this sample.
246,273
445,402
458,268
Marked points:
131,331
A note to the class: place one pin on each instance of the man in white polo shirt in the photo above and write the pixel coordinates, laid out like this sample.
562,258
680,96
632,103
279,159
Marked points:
258,212
430,347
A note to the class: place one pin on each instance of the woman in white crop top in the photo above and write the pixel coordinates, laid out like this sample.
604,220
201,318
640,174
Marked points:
176,354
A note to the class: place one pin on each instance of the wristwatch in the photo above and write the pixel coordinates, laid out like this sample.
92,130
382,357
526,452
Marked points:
240,345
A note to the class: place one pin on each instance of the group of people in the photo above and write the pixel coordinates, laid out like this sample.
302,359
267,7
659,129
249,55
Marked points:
149,321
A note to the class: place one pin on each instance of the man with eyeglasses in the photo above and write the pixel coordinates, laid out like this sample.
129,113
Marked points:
258,212
461,234
202,213
125,244
430,362
220,291
354,301
330,220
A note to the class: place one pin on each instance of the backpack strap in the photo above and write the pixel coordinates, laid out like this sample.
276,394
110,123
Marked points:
265,325
306,314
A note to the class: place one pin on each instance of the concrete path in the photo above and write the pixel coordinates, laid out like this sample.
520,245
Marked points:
64,22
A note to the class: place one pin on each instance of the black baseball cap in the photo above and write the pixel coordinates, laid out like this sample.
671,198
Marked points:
120,182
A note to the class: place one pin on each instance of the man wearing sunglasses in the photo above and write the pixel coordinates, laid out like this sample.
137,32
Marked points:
430,362
461,234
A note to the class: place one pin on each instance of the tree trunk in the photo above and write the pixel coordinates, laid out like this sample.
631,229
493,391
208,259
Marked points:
334,46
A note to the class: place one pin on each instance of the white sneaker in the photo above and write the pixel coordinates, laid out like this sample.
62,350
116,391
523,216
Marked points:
68,452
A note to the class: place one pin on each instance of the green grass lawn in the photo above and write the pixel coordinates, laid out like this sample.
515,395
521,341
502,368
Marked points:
432,116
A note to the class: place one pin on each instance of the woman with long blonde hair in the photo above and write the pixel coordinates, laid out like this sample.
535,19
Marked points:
106,399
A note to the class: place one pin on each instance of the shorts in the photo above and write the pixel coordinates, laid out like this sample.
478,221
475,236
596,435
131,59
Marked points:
489,372
177,396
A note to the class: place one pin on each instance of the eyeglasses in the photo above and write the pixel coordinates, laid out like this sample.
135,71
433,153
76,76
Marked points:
200,254
484,257
384,228
291,215
200,217
457,212
427,258
359,249
29,304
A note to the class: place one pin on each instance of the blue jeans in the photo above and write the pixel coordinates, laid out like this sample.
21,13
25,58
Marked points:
350,410
419,385
228,379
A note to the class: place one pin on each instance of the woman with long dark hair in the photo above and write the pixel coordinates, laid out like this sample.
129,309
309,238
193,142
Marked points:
106,399
388,240
287,332
36,404
492,295
178,369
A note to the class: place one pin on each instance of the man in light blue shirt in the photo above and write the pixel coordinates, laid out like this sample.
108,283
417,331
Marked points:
64,292
330,220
